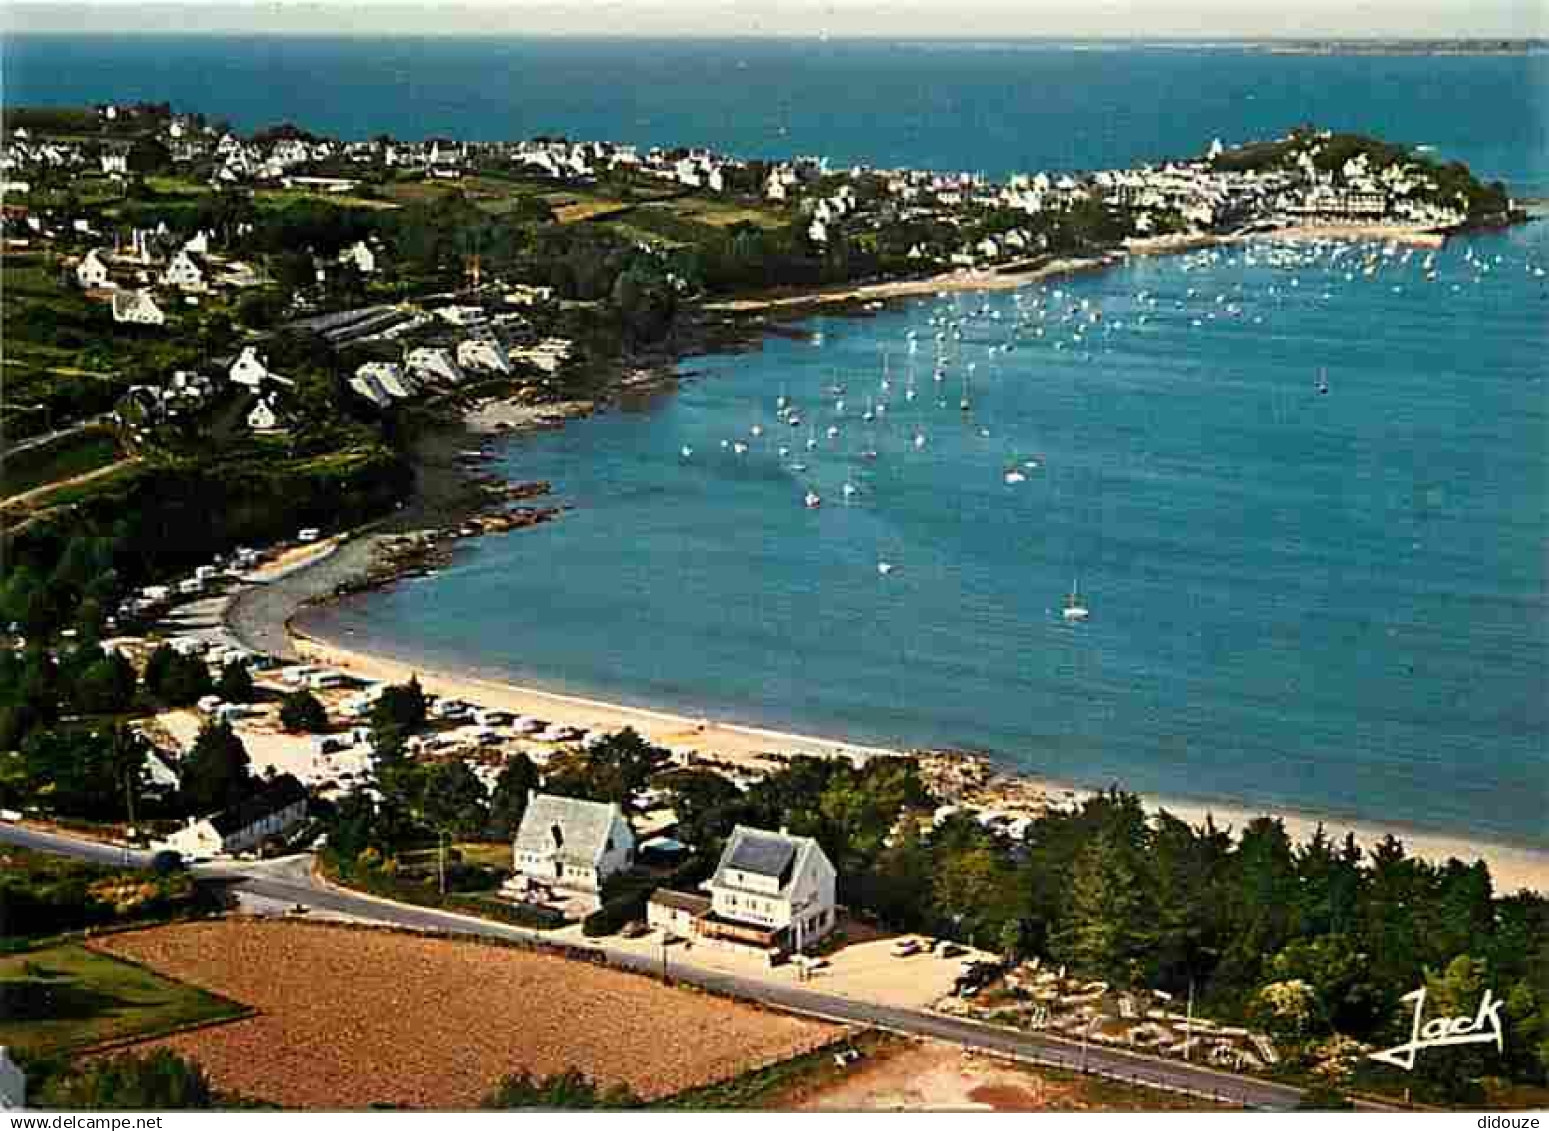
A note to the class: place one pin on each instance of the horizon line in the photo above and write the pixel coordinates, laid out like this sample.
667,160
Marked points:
849,36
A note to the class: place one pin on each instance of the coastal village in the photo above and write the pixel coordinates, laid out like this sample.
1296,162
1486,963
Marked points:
297,324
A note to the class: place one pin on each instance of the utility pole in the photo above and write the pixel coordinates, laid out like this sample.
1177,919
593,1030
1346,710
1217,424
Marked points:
441,857
1188,1024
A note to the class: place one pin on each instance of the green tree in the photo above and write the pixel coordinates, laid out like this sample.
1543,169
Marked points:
972,888
105,687
615,769
1102,931
454,800
706,804
1453,1078
400,708
300,710
518,778
216,773
176,679
236,683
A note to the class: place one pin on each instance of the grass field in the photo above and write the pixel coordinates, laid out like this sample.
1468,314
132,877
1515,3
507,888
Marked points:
71,455
64,997
719,214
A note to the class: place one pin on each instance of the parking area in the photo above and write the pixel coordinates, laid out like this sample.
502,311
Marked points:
865,970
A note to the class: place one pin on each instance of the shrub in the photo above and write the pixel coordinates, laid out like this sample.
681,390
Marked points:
301,711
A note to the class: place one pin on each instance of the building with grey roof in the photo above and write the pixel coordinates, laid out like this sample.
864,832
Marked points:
771,891
568,847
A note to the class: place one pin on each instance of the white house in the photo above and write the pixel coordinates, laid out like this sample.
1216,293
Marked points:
434,364
137,308
184,273
13,1083
263,418
484,354
361,256
250,370
569,847
771,891
276,809
378,379
91,272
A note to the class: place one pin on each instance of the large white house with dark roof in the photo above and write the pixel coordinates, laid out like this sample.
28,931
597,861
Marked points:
569,846
771,891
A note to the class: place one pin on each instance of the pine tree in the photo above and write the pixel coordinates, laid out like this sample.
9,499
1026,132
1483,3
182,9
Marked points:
1102,931
216,772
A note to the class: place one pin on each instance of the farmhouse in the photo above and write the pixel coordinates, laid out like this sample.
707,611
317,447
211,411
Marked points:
137,308
771,891
91,272
185,272
250,370
262,418
568,847
278,807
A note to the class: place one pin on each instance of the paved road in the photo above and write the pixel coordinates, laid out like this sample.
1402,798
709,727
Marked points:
290,880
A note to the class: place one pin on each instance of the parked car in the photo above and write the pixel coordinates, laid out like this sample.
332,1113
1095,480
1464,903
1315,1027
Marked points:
903,948
635,929
950,949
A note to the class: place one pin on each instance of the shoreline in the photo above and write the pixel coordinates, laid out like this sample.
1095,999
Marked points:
1010,276
263,617
1512,865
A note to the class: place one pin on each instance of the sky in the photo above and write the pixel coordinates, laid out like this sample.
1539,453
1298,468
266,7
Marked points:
896,19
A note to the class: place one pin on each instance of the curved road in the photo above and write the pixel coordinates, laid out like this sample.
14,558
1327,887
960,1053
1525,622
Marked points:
291,880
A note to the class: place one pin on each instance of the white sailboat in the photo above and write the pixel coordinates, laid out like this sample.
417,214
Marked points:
1075,609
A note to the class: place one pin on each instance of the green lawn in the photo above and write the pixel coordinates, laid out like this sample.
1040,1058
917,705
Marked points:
491,854
73,455
64,997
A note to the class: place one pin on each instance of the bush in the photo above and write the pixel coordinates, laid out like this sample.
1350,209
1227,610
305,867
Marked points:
571,1089
612,916
301,711
161,1080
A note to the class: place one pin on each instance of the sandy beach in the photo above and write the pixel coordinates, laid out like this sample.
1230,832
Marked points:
1512,866
263,616
1009,277
965,279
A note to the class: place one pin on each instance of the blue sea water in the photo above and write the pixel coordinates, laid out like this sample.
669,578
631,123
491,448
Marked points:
1332,602
994,107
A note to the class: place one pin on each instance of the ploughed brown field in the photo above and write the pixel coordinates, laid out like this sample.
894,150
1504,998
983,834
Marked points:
348,1018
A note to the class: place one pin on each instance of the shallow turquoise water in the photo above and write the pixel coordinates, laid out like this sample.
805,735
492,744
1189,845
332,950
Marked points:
1328,601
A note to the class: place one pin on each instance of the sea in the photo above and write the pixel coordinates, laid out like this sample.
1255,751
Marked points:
1303,492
